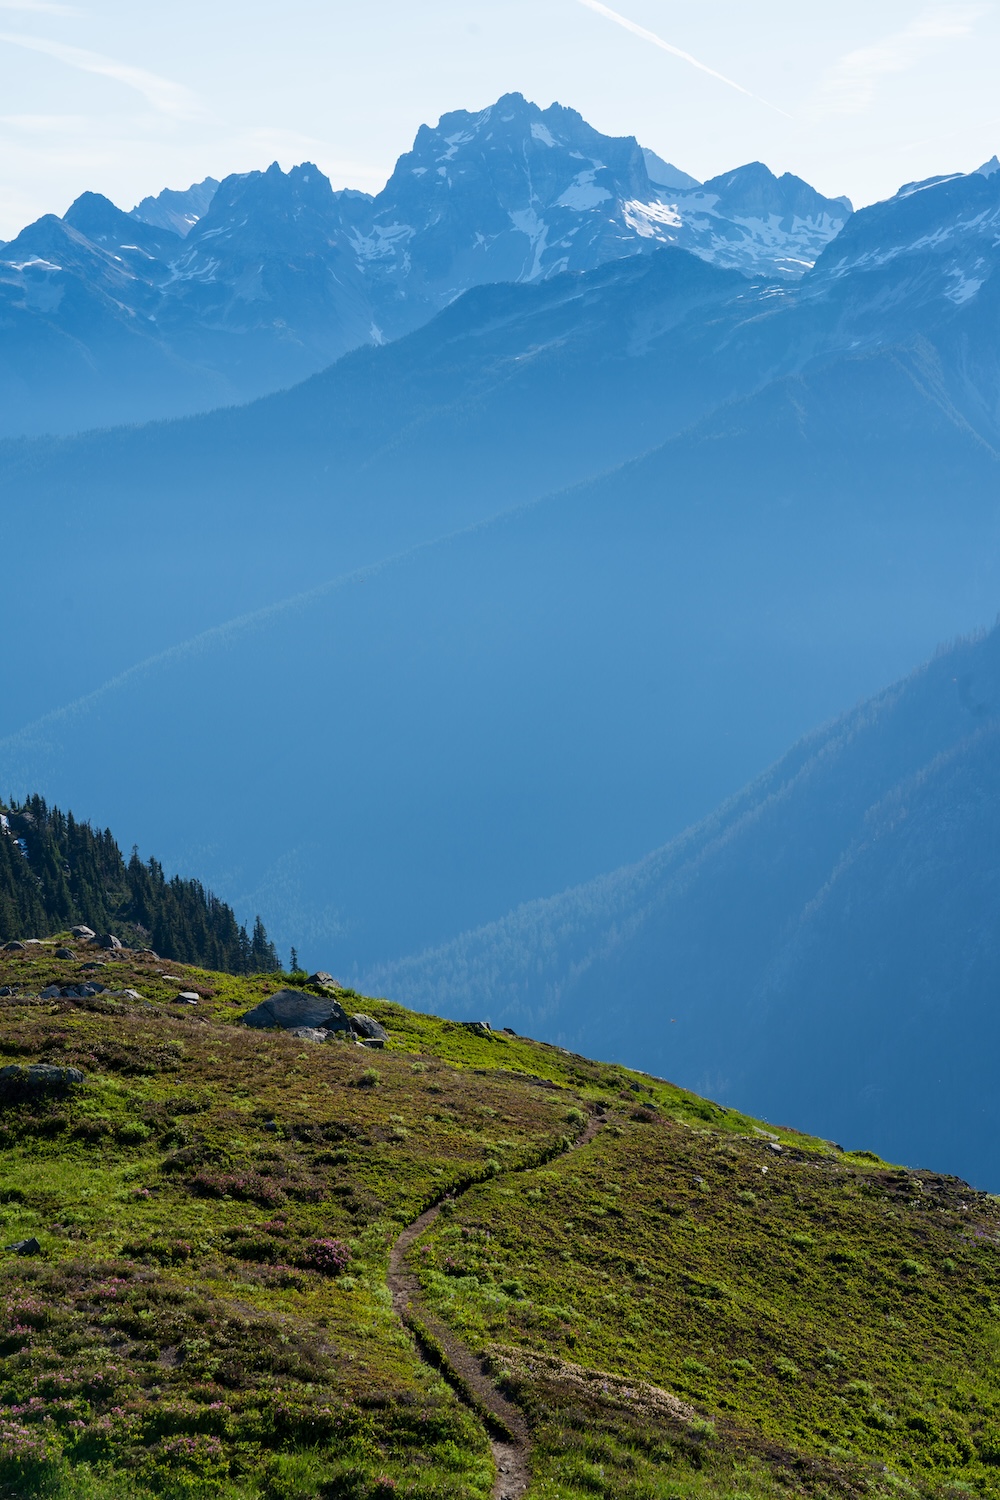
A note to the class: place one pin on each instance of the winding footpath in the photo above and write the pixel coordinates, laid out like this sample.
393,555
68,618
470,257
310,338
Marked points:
510,1439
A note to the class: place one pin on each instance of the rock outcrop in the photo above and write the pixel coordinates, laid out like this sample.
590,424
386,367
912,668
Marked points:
290,1010
37,1078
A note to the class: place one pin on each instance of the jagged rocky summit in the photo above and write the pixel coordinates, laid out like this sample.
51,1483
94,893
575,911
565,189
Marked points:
231,289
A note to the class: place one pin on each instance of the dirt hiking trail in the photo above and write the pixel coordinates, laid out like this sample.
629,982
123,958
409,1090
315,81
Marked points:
468,1376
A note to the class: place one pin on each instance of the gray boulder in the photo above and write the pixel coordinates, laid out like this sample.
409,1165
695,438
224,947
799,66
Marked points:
321,979
25,1247
85,933
108,940
65,953
291,1009
37,1078
188,997
370,1029
52,992
309,1034
13,947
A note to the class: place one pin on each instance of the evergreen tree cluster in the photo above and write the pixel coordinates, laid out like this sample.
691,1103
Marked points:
56,873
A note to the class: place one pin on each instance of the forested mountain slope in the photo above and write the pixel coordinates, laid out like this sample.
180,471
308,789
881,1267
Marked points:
56,872
392,447
827,941
488,718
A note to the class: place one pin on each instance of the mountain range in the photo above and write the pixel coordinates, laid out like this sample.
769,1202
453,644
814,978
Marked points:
507,600
731,510
233,289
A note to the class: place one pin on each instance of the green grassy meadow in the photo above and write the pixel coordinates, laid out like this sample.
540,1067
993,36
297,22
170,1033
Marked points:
689,1305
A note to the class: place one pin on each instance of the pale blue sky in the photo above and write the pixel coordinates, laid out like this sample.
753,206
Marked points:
127,97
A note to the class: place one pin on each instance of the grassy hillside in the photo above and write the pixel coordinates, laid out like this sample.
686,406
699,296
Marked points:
688,1304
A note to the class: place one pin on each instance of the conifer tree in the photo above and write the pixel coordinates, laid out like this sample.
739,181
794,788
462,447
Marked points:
56,872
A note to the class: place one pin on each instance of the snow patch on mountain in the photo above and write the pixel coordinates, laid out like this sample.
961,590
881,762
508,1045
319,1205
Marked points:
583,193
540,132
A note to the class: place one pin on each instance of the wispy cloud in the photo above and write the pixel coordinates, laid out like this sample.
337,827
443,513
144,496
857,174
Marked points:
41,7
162,94
849,87
657,41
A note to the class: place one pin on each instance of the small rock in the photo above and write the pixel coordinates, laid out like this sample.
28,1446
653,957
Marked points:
188,997
309,1033
773,1146
478,1028
13,947
373,1041
364,1026
33,942
121,994
271,1126
25,1247
71,991
172,978
108,940
65,953
84,933
7,989
88,968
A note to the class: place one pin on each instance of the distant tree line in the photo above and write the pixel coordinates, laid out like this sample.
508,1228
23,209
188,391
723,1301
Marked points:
57,873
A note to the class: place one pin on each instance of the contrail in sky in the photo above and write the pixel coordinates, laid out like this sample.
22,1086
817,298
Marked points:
166,97
657,41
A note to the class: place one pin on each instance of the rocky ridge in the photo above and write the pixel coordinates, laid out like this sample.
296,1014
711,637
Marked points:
232,289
